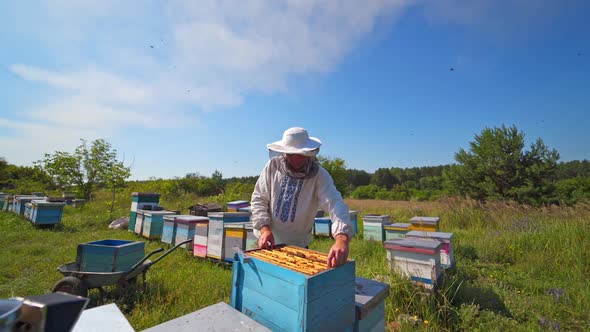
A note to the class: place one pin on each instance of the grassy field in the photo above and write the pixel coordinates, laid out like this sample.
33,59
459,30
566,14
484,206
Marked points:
518,268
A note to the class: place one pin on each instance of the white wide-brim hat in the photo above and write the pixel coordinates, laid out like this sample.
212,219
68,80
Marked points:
296,141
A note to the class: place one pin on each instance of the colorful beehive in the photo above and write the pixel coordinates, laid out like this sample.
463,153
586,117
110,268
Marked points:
370,298
3,199
373,226
138,202
251,240
153,223
216,234
185,228
200,240
417,259
46,213
426,224
234,237
396,231
169,229
447,257
323,226
292,289
20,201
109,255
236,205
354,221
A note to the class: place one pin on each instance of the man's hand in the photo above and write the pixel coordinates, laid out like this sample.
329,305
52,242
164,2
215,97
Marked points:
339,251
266,239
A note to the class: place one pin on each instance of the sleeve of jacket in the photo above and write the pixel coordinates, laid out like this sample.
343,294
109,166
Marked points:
260,202
331,202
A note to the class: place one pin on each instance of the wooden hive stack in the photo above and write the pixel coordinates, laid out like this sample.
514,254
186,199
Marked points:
447,257
426,224
417,259
217,234
396,231
373,226
138,202
7,204
234,237
235,206
292,289
185,228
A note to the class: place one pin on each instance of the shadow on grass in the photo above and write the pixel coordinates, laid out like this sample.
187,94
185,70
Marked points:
127,298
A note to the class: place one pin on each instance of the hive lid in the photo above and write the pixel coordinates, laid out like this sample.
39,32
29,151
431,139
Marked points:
145,194
185,219
238,202
412,243
433,235
425,220
397,225
163,212
368,294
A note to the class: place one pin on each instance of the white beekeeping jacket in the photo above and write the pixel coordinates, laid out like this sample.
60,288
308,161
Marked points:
289,205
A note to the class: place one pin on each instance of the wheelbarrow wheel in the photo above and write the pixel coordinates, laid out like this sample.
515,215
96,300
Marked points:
71,285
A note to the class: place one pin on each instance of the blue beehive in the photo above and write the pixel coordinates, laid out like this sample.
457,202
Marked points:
140,201
46,213
169,229
27,213
354,221
373,226
370,298
20,201
153,223
109,255
295,294
323,226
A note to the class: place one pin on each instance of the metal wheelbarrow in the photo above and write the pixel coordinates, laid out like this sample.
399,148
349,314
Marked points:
78,282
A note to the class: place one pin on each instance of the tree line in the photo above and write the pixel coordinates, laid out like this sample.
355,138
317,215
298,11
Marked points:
497,166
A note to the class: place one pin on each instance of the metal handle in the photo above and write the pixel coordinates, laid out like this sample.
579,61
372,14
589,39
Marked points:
169,251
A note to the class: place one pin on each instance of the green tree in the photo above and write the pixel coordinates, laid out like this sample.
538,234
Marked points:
383,178
337,169
88,168
497,167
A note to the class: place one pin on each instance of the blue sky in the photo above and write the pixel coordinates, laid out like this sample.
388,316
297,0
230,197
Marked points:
195,86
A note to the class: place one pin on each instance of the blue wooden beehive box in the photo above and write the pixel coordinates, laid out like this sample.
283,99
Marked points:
292,289
370,298
27,213
46,213
354,220
185,228
138,202
20,201
153,223
323,226
109,255
373,226
169,229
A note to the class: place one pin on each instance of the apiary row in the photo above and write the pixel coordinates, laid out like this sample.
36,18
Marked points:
38,209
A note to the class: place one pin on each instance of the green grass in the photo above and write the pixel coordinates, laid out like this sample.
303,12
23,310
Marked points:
518,268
